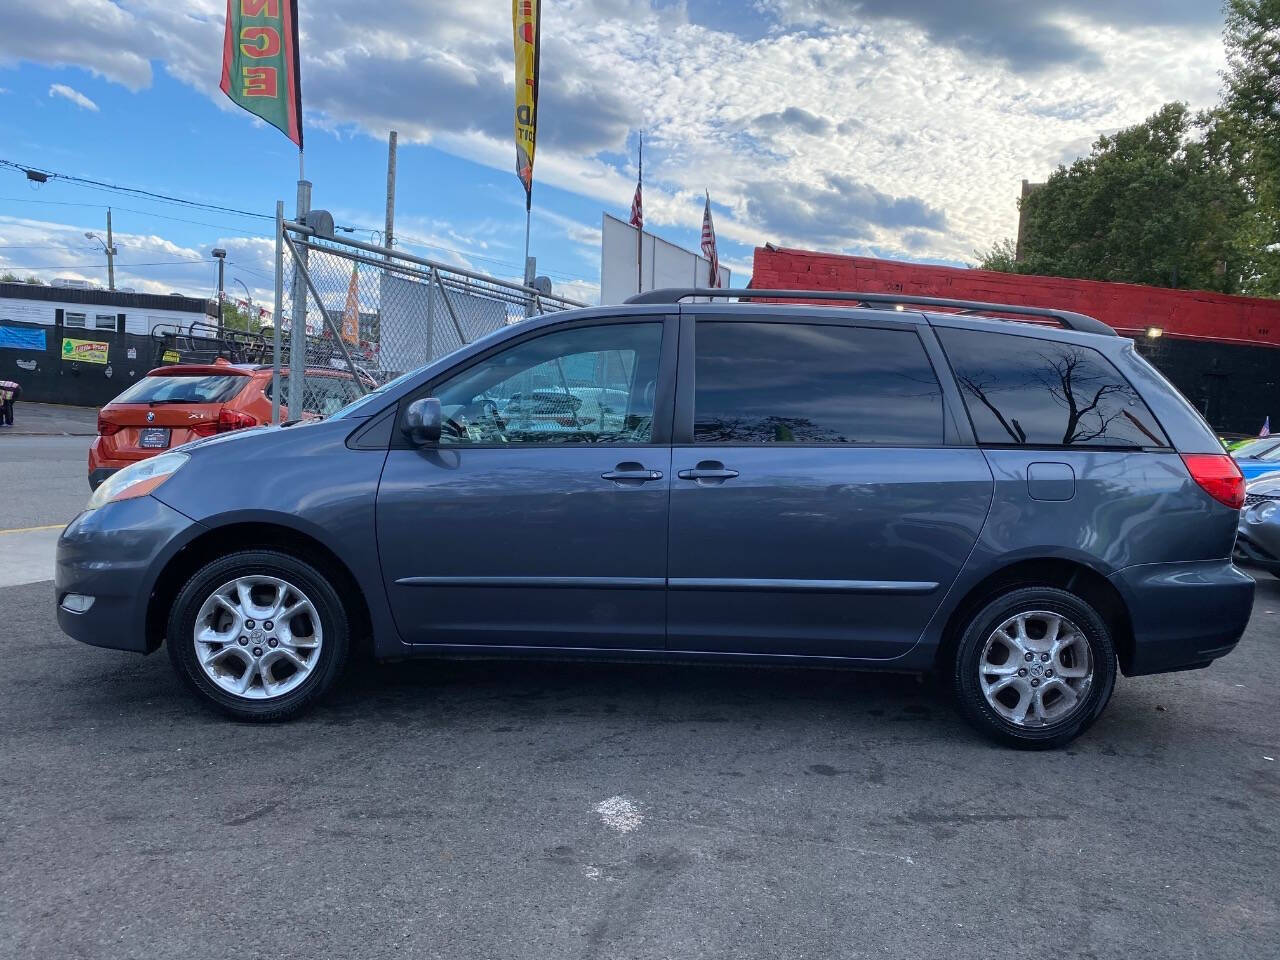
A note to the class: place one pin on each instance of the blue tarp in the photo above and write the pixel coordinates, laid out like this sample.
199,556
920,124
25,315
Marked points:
19,338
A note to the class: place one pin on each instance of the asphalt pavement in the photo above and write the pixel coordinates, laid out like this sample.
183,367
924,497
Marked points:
490,809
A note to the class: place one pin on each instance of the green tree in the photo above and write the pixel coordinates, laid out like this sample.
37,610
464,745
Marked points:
1158,203
1251,107
1001,256
233,318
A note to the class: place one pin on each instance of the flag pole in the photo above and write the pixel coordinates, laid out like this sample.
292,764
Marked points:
640,227
528,217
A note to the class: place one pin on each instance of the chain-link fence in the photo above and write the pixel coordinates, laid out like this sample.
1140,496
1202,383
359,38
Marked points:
372,313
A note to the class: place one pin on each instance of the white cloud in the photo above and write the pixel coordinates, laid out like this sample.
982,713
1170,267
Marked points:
146,262
75,96
897,126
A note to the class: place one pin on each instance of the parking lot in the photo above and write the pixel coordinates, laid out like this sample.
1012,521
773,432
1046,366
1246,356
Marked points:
489,809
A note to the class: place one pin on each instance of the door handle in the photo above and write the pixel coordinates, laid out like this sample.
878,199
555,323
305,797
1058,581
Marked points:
708,471
631,474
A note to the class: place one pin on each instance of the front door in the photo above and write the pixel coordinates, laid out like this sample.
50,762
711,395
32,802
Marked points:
540,518
824,499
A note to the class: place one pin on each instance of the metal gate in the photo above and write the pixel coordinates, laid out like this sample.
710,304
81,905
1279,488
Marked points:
366,314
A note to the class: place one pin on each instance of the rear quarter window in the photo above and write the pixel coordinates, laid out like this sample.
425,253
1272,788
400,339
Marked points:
1024,391
215,388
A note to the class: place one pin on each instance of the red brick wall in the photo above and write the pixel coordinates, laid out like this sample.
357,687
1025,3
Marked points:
1129,308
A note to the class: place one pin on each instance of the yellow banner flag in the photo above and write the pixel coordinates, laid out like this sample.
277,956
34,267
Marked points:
526,20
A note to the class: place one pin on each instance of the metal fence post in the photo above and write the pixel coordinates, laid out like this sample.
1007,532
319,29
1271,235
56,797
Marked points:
298,329
276,336
431,319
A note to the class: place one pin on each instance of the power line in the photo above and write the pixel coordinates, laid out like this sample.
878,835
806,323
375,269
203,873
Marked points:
134,191
219,208
94,266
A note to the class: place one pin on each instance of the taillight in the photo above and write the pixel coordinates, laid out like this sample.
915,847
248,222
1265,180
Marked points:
106,428
227,421
1218,475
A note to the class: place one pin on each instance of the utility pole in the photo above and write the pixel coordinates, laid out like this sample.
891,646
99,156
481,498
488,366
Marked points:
111,255
388,240
221,256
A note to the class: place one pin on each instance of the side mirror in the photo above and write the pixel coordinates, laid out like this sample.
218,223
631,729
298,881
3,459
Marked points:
422,422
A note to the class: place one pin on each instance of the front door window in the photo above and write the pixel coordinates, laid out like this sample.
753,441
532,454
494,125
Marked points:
589,385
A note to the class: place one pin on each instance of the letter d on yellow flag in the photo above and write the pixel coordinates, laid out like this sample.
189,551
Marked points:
526,20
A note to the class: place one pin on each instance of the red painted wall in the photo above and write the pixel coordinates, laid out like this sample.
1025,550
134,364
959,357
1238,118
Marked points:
1127,307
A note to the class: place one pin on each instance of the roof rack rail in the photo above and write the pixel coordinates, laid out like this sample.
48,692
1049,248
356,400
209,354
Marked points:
1072,321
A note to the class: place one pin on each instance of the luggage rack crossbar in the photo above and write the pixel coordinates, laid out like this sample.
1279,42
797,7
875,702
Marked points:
1068,319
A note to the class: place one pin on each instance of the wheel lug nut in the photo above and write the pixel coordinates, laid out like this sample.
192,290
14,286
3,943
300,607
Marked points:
1048,673
1044,658
1022,672
268,625
1035,683
243,641
249,624
1029,657
257,651
272,642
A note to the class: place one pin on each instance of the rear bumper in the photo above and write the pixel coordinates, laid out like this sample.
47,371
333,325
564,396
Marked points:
115,554
1184,615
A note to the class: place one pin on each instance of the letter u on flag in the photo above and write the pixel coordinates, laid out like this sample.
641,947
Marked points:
260,62
526,21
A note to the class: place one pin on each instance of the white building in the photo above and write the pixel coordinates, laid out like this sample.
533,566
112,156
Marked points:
97,311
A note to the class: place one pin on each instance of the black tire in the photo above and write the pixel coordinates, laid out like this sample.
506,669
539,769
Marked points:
332,656
967,685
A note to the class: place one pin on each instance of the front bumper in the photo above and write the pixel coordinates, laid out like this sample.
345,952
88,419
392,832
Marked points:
115,554
1184,615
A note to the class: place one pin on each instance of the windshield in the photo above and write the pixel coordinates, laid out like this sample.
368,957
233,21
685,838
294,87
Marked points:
1256,448
1270,455
368,403
217,388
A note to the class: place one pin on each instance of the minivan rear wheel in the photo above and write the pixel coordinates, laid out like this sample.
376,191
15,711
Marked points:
1034,667
258,634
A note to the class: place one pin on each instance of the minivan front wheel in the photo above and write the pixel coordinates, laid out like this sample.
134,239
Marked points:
259,634
1034,667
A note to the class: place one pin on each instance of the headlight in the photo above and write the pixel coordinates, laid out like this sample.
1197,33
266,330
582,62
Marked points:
137,480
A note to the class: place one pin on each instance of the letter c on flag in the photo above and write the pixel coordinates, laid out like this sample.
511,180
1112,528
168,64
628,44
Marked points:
260,42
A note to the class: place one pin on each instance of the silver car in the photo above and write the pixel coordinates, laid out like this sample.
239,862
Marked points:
1258,537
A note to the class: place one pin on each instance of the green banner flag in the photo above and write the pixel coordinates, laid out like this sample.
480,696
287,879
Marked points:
260,62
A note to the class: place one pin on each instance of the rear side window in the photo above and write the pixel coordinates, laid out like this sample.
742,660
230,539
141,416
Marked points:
813,383
216,388
1022,391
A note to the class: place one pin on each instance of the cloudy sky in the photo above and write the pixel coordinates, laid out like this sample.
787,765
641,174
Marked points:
896,128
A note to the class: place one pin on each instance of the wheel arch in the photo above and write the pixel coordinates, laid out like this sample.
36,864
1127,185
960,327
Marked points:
264,535
1071,575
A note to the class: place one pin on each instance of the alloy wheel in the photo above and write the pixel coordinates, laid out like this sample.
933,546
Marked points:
1036,669
258,637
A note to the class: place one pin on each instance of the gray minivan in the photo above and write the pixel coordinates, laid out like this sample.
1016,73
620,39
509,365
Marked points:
898,484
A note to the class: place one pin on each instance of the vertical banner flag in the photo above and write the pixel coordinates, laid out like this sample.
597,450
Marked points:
260,62
709,244
351,312
526,20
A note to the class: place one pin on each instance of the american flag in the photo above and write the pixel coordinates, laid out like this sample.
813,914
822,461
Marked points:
709,244
637,209
1266,428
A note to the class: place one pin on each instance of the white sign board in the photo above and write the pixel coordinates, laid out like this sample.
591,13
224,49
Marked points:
661,264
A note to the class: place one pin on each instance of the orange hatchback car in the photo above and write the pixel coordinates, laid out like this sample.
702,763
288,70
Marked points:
174,404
